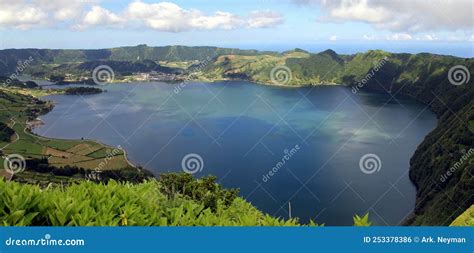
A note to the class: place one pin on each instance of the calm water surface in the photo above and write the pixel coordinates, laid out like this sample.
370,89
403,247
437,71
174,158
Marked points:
242,130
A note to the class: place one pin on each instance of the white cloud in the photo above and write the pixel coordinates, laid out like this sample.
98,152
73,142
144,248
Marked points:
359,10
427,37
21,14
264,19
369,37
24,14
99,16
170,17
62,10
401,16
333,38
399,37
220,20
458,38
403,37
162,16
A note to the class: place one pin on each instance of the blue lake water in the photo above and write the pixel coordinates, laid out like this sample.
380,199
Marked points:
243,130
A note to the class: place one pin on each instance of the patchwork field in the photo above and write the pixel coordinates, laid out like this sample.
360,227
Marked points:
17,110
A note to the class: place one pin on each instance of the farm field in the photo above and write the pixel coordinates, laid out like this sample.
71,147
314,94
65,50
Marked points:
19,111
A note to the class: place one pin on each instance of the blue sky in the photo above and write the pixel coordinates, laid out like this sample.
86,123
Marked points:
437,26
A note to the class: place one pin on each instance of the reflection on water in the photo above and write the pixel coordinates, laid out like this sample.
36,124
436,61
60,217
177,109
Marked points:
242,130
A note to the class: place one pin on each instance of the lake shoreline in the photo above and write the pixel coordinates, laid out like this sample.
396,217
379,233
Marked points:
31,125
228,84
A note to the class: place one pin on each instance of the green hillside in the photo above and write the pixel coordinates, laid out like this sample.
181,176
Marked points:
424,77
9,58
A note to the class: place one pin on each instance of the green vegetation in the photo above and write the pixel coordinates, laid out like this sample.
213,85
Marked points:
17,83
442,196
182,65
46,60
41,172
82,91
255,68
204,190
6,132
36,93
465,219
19,114
123,204
362,221
171,200
82,70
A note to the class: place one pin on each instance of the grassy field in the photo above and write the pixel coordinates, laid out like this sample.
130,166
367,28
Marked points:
18,109
37,93
256,67
178,64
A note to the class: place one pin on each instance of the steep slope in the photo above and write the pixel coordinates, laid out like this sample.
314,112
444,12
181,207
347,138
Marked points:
324,67
441,195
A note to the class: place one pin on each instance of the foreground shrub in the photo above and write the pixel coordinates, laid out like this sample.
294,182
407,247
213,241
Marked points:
362,221
123,204
204,190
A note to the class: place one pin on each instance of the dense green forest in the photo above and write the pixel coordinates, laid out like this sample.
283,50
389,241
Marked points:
5,132
82,91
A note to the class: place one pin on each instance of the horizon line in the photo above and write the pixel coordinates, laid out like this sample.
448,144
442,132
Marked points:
240,48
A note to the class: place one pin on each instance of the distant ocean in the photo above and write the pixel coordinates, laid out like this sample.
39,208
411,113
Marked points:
459,49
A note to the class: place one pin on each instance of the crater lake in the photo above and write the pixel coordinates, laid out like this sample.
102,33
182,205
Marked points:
285,148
